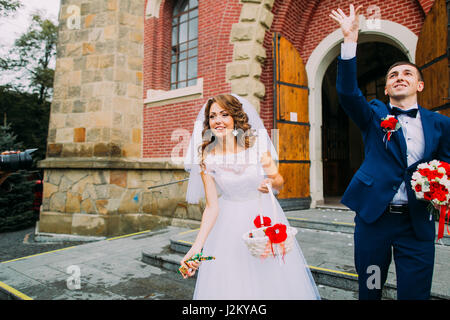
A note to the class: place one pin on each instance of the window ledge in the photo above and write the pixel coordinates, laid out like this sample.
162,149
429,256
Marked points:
162,97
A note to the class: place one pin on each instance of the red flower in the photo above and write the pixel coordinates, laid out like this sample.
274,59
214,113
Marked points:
446,166
277,233
266,222
418,188
389,124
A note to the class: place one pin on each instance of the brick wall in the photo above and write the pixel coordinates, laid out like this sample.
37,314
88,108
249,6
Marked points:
214,52
306,23
303,22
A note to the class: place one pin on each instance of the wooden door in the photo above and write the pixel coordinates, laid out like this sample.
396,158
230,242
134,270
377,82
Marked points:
292,123
433,59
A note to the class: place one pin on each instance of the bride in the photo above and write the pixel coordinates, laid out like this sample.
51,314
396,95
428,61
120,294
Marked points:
231,161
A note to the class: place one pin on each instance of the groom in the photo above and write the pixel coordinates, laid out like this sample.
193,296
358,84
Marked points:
389,220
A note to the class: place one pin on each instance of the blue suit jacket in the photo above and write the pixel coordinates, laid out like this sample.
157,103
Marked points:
383,170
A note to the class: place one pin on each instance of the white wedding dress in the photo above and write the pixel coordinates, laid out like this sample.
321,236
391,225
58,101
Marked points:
235,274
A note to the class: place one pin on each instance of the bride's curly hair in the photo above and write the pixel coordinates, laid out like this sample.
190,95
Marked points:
245,137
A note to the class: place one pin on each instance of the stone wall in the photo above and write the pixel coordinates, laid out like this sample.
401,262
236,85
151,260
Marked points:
109,202
95,180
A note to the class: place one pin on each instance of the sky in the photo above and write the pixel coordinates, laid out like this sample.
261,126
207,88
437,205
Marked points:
13,26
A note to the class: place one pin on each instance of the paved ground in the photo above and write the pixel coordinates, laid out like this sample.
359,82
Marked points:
108,269
21,243
113,269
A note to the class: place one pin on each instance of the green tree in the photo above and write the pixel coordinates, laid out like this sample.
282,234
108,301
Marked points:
16,205
32,54
28,118
8,7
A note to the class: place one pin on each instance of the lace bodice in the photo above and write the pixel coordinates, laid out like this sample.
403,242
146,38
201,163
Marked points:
237,175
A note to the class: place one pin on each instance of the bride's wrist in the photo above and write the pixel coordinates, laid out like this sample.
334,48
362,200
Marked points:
197,246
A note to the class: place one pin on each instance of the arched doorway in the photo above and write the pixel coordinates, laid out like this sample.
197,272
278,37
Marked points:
342,146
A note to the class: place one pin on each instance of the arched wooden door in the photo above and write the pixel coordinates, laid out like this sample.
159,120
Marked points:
433,59
292,123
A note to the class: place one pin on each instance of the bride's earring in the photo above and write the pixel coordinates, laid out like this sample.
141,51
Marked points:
235,132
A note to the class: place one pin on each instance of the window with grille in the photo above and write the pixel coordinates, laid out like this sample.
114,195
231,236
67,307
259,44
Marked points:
184,44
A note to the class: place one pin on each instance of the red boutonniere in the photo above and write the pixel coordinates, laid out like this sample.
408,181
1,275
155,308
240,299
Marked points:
266,222
389,124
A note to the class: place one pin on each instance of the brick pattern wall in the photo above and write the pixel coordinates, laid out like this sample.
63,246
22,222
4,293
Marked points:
306,23
214,52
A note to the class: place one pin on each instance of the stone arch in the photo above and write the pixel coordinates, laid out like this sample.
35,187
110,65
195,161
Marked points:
247,36
328,49
152,8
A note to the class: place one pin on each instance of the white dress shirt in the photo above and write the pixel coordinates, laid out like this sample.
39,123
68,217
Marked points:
411,128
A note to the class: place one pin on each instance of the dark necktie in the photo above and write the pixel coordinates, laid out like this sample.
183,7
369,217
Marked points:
411,112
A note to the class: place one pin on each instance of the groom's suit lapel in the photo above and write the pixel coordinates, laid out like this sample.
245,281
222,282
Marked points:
398,147
427,125
399,139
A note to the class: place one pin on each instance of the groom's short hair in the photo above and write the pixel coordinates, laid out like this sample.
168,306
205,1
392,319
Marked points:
401,63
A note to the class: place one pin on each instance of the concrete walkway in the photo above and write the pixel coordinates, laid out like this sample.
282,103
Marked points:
114,269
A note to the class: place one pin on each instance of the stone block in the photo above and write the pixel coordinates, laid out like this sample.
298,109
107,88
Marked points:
110,32
118,177
87,48
112,5
64,135
101,206
73,202
92,225
79,134
81,184
55,176
136,135
54,222
129,202
268,4
265,18
58,202
249,12
93,135
48,190
87,206
107,150
240,86
148,203
131,150
236,70
89,20
242,32
64,65
79,106
106,61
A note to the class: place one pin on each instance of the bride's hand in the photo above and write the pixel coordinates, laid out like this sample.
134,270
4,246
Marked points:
263,188
193,266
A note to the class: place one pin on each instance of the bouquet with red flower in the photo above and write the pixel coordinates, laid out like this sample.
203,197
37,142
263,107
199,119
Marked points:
431,182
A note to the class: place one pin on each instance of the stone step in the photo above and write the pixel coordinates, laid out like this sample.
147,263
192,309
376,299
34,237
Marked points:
170,261
330,258
333,220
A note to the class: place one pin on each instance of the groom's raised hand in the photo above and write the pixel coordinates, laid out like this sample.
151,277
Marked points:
349,24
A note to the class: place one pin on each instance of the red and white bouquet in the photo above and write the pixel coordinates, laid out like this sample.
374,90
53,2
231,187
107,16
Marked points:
431,182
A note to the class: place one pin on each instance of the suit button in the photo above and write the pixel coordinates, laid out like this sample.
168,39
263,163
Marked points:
394,188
